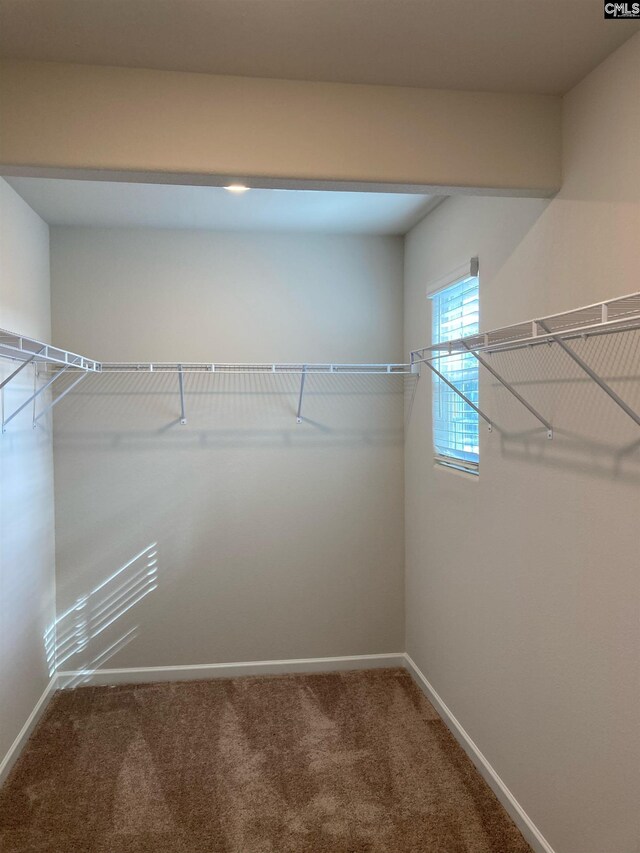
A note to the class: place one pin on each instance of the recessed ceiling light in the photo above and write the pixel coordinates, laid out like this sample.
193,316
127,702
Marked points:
236,188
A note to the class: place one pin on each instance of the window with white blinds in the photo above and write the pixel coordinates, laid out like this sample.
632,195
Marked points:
455,424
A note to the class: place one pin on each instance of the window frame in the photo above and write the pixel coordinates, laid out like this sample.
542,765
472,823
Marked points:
457,276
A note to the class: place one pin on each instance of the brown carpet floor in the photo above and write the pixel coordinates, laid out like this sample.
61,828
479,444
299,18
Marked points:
340,763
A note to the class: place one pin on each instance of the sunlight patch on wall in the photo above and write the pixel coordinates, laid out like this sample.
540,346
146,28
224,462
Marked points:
99,609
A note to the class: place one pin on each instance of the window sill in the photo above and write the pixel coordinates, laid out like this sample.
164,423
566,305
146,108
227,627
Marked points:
459,467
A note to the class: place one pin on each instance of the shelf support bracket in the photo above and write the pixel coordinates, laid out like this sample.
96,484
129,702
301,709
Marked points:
459,393
55,402
511,390
33,398
591,373
183,416
302,379
22,367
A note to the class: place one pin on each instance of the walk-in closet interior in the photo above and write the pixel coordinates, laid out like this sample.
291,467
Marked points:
320,451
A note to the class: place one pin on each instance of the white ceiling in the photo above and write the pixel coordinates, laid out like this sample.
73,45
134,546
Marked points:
122,205
543,46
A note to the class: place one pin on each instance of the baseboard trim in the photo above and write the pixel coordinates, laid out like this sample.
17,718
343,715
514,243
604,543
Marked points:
527,827
25,732
195,672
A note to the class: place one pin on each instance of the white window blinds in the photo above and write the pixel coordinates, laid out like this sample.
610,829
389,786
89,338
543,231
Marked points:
455,424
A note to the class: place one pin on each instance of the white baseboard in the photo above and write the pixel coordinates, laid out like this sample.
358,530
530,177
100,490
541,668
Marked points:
527,827
25,732
195,672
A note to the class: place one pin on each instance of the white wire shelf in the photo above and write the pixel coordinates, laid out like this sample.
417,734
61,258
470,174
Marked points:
22,348
615,315
260,368
26,351
58,362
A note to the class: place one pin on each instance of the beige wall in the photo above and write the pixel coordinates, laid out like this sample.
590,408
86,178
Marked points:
274,540
522,586
27,589
205,127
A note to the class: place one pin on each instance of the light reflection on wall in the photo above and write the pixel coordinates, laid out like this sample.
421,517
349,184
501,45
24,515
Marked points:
70,636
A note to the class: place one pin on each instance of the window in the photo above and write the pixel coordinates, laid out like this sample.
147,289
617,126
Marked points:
455,424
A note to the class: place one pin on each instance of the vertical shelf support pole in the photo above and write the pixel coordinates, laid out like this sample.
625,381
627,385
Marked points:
302,379
183,416
35,393
592,374
511,390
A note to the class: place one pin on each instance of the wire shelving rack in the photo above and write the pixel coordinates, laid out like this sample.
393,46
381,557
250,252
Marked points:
602,318
299,369
57,361
25,351
205,367
612,316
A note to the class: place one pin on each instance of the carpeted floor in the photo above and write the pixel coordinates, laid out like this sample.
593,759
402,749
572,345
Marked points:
340,763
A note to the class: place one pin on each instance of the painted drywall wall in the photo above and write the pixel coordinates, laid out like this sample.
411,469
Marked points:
522,585
206,127
27,582
274,540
